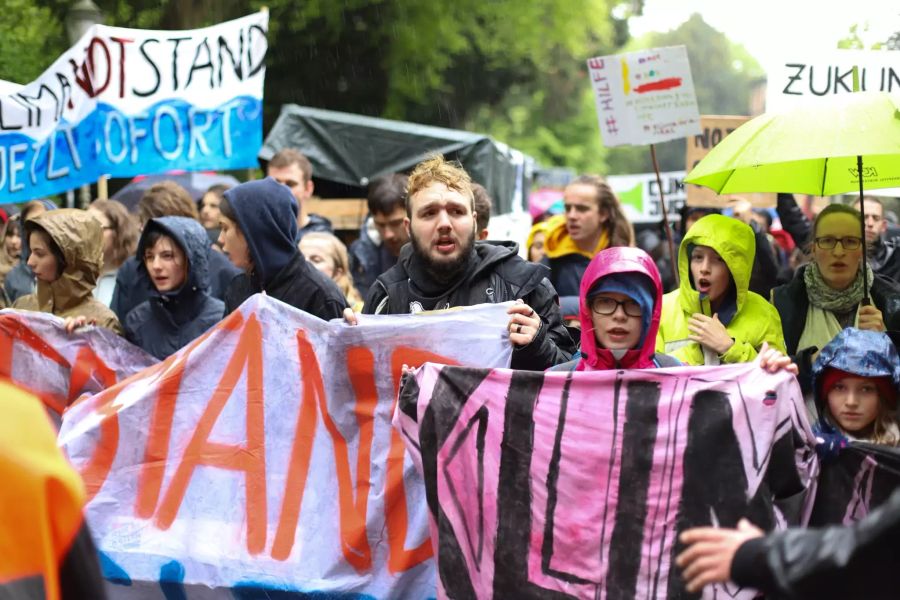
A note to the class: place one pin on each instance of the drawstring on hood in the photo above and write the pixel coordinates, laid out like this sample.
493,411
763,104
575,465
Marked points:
734,241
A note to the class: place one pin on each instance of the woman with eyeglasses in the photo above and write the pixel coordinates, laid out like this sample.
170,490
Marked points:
826,295
713,318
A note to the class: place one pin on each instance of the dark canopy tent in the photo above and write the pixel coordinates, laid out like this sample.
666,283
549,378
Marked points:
353,149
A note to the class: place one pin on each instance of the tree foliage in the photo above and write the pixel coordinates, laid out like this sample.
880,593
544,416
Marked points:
515,70
723,73
32,37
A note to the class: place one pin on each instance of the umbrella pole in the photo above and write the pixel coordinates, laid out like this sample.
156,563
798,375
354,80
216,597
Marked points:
865,250
673,259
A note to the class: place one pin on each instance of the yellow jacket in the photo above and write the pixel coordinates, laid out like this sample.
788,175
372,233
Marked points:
755,320
41,499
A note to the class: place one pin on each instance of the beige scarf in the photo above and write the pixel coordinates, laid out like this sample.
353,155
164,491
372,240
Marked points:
821,327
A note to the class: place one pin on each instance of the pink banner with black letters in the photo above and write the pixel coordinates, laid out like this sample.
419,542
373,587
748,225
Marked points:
577,485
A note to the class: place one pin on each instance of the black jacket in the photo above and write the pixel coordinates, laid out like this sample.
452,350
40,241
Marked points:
494,274
792,303
884,258
368,260
132,288
764,275
168,321
793,220
566,272
265,211
856,561
299,284
316,223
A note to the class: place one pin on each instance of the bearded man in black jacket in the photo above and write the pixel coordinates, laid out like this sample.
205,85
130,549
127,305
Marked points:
444,267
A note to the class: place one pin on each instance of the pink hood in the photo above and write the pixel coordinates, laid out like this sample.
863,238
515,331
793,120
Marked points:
618,260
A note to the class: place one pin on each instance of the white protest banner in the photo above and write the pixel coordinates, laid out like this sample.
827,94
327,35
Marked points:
37,354
802,78
125,102
639,195
644,97
260,460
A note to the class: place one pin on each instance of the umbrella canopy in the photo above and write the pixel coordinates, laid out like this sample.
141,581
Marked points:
810,150
196,185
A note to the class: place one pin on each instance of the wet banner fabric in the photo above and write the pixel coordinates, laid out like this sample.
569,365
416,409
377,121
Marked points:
38,355
125,102
576,485
260,460
860,479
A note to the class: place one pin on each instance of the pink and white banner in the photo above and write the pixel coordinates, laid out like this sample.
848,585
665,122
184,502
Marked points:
576,485
260,460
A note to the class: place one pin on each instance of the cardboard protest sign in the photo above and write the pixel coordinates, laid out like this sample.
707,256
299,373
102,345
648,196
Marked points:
861,478
576,485
261,460
126,102
802,78
644,97
37,354
713,129
639,195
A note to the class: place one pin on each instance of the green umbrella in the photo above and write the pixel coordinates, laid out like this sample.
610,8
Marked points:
839,144
812,149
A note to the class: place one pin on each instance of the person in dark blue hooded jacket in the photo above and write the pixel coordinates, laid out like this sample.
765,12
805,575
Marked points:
174,256
259,234
856,380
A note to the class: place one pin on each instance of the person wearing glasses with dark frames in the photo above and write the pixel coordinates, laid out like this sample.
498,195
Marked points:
619,306
826,295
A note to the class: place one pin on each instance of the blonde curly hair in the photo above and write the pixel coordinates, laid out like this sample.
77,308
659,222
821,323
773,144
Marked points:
436,169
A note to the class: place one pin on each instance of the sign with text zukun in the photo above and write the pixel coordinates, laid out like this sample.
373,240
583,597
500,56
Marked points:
260,460
577,485
125,102
644,97
713,129
639,195
801,79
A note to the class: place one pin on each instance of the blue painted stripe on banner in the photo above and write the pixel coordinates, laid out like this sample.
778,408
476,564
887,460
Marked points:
168,135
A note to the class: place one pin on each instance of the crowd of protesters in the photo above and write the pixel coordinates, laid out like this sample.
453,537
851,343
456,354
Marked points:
584,297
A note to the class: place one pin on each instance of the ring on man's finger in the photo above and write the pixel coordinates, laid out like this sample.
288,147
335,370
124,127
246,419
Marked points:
531,314
519,328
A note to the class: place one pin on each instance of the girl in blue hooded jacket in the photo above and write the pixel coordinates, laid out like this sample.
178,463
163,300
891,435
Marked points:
174,254
856,380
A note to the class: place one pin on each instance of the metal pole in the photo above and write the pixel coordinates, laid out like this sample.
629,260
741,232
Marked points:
665,213
862,227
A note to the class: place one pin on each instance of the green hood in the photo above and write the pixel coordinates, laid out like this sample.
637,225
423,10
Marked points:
735,243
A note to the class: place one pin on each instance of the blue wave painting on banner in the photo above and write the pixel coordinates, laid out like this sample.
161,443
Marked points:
126,102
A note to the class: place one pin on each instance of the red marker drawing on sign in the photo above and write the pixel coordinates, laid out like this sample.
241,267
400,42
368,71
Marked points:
662,84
